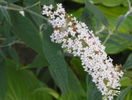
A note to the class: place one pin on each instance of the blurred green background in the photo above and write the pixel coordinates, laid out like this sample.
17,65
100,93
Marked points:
34,68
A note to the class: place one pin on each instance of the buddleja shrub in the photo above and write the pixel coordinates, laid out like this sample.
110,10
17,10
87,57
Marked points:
48,54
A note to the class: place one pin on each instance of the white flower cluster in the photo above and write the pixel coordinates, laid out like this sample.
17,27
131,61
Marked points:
78,40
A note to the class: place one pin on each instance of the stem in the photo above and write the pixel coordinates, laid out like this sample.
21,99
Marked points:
19,8
126,14
129,4
2,39
30,11
100,30
10,44
36,14
35,4
9,8
108,36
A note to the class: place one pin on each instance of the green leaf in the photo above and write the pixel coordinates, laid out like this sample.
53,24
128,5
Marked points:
61,73
113,2
30,35
123,93
26,31
113,15
3,83
87,18
8,41
39,61
13,54
92,91
118,42
57,65
129,95
119,21
126,25
49,91
6,15
2,55
11,1
29,2
5,29
113,12
77,66
128,63
125,81
110,3
71,96
34,6
47,2
78,1
74,84
77,13
97,13
22,84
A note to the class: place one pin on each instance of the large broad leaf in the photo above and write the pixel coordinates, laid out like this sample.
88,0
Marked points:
5,14
49,91
13,54
30,2
3,79
119,21
92,91
71,96
124,93
125,81
22,84
77,13
78,1
118,42
35,7
88,18
48,2
129,96
128,63
125,26
39,61
116,19
110,3
11,1
61,73
97,13
113,12
4,28
26,31
77,66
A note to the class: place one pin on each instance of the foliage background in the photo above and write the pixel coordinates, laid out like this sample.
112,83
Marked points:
34,68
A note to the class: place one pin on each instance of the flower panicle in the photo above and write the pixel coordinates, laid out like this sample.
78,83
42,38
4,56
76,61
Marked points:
77,39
